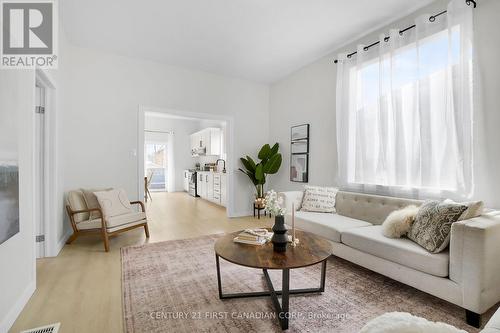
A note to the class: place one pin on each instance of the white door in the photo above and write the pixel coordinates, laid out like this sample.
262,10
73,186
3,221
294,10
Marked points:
39,181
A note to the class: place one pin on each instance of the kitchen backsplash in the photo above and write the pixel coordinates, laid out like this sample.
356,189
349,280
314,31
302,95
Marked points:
206,159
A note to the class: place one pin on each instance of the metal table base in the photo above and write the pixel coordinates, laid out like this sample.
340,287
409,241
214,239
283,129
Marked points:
282,310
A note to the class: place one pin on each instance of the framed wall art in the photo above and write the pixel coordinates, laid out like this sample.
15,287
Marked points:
299,154
9,193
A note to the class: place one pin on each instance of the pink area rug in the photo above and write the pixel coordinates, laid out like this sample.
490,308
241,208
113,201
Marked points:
172,287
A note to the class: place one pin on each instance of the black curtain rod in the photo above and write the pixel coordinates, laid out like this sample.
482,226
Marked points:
431,19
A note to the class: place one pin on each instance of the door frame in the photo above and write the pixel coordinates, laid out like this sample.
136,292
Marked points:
142,110
51,202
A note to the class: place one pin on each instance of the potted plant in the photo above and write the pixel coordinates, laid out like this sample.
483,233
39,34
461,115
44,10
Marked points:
274,206
270,162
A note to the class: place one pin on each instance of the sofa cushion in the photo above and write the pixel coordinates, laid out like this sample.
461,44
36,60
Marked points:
328,225
399,250
369,207
432,226
319,199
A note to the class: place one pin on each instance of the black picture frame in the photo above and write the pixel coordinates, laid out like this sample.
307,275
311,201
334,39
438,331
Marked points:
299,153
299,132
299,168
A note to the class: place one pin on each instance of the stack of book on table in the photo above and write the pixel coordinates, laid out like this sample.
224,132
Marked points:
253,236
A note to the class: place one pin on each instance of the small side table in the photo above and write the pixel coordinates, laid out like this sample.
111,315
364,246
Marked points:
258,208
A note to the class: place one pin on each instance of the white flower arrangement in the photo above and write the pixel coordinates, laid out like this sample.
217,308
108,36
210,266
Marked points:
274,204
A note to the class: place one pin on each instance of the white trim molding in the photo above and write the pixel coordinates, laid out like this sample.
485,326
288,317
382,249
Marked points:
15,311
188,115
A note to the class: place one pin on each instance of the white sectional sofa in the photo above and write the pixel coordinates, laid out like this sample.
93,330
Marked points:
468,274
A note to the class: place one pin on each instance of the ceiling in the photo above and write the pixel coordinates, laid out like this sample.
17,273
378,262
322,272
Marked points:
258,40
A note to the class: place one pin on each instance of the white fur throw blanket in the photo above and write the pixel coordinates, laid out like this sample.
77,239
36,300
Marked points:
399,222
403,322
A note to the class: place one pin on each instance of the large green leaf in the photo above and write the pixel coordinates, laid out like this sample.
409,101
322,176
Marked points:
273,165
274,149
252,163
259,173
250,166
264,152
250,175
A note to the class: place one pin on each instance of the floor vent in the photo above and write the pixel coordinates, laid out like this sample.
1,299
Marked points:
53,328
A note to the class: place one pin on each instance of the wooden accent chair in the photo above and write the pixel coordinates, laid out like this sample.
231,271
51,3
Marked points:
91,220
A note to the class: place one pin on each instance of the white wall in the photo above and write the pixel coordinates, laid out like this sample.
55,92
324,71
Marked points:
17,255
308,96
99,122
182,129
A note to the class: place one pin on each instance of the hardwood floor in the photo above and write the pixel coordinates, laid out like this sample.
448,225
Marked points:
81,287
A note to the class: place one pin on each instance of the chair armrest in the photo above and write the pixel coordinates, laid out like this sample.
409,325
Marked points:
139,203
73,212
290,197
475,260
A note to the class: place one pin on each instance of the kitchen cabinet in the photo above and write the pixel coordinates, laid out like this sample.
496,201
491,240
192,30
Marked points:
212,186
223,190
206,142
195,142
209,181
202,188
186,180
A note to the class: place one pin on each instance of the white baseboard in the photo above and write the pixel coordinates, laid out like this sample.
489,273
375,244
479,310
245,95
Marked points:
61,243
14,312
242,214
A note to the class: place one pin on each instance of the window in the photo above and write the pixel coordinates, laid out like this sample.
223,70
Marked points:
404,112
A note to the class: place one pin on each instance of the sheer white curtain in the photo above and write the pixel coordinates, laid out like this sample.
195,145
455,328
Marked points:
404,110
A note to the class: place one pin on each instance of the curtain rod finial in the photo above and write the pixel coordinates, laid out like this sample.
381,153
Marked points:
468,2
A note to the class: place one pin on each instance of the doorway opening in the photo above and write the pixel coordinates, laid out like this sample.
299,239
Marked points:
186,152
156,165
47,233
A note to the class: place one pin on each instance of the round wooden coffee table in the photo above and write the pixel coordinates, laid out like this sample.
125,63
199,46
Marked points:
311,250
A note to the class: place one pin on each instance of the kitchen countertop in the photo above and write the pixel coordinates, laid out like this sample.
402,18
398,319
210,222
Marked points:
223,173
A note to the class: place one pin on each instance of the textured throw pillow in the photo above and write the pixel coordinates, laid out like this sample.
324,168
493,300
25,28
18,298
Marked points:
399,222
474,209
432,225
114,202
319,199
91,200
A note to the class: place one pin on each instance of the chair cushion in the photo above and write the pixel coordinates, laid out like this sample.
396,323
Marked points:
91,200
328,225
122,220
399,250
114,223
76,201
90,224
114,202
